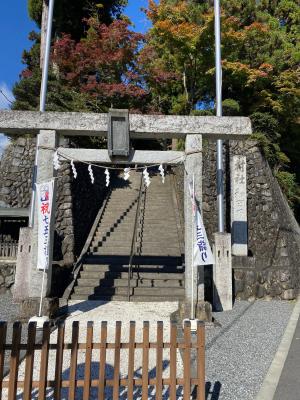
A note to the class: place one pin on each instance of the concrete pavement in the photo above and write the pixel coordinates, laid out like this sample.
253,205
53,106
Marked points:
288,387
282,381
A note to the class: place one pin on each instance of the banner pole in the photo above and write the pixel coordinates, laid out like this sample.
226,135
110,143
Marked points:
42,292
220,163
193,233
43,95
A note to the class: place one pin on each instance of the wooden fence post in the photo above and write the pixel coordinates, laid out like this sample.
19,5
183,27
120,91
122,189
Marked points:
88,361
29,360
116,378
173,360
145,362
44,361
187,361
59,360
3,330
159,359
14,361
131,360
73,364
102,361
201,360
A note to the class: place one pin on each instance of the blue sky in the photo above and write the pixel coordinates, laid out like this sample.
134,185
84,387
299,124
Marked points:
14,28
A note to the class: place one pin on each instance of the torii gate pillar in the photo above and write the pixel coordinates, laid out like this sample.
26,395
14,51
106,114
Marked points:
28,278
193,166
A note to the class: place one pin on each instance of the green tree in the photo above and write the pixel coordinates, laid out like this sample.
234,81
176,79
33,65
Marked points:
69,15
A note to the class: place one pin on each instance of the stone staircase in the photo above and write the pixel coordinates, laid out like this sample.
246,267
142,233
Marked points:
157,270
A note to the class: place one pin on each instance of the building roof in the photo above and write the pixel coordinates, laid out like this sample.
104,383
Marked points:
12,212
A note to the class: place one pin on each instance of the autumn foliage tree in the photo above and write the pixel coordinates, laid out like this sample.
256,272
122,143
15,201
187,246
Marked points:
70,17
103,66
260,51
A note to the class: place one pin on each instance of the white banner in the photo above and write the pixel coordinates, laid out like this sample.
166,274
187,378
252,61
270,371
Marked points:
202,251
44,204
202,254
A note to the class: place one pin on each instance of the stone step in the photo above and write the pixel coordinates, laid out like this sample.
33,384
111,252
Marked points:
158,207
150,251
130,195
124,244
154,197
149,271
147,276
105,291
143,237
153,268
147,231
107,282
124,210
115,223
123,282
145,261
113,228
160,217
113,231
127,202
128,216
156,291
156,231
117,219
137,299
107,225
145,299
125,239
153,221
124,214
138,291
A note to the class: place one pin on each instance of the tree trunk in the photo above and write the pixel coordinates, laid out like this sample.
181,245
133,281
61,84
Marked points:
45,14
185,86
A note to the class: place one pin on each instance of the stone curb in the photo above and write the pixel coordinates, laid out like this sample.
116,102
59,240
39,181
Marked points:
268,388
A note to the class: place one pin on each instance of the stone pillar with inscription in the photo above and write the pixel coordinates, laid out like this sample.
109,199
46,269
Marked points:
239,224
222,276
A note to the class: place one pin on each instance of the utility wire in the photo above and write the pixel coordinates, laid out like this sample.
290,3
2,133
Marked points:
6,98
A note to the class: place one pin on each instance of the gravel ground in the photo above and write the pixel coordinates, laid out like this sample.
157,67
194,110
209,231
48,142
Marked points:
8,309
240,352
9,312
239,348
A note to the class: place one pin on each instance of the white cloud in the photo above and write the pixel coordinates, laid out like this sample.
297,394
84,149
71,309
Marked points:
4,105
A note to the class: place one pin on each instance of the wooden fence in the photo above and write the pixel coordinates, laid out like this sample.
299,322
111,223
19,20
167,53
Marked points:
167,383
9,249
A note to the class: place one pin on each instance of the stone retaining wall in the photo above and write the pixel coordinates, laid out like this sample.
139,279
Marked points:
7,276
272,268
78,201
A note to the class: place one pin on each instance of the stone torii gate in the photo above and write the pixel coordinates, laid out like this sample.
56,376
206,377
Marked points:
51,126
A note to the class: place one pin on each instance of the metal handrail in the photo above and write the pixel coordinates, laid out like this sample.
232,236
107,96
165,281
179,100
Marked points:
134,236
